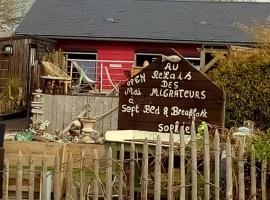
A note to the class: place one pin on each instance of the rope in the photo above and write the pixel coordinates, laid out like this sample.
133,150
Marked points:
99,117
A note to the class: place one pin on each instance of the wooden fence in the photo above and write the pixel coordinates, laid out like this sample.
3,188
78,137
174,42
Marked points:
60,110
151,170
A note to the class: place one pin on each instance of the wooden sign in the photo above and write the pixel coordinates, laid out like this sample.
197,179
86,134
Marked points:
167,95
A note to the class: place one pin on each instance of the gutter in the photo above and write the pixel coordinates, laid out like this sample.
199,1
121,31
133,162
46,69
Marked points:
198,42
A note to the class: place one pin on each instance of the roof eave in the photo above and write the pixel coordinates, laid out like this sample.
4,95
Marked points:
172,41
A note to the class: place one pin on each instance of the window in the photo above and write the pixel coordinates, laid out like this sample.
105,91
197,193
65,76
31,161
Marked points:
142,57
87,62
195,61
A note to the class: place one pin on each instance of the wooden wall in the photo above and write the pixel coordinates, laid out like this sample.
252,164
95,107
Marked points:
17,62
60,110
42,47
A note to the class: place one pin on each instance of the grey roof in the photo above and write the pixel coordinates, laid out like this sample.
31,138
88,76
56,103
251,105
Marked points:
145,20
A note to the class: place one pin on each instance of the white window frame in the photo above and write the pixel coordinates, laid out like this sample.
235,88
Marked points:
194,58
80,53
146,54
33,56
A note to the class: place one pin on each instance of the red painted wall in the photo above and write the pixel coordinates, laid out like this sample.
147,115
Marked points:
123,51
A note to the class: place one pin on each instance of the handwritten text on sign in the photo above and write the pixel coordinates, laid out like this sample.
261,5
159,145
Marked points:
167,95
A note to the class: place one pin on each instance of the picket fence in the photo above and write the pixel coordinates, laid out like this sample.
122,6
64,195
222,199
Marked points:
115,177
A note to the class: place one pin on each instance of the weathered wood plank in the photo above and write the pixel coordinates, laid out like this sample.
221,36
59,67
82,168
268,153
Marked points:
63,168
157,183
253,191
69,186
144,176
98,110
82,193
121,172
241,176
114,120
217,165
109,175
106,123
182,165
19,177
57,185
206,164
53,113
31,179
264,180
6,180
229,180
170,191
132,171
44,178
96,176
193,161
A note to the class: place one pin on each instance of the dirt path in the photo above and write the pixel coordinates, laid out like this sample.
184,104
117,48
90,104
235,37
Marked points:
13,125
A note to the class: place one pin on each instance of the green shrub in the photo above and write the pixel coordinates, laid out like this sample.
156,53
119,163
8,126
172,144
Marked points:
245,77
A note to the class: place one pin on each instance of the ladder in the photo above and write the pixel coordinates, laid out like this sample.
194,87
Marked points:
4,63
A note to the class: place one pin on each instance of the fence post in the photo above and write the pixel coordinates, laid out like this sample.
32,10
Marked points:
253,174
193,161
96,176
31,186
82,195
63,169
101,77
229,181
241,177
6,180
144,176
44,178
109,175
69,188
264,183
217,165
157,182
19,177
121,172
57,178
182,164
132,171
171,167
206,164
2,153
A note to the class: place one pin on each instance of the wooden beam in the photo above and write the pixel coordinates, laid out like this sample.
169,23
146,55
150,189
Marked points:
210,64
216,51
202,58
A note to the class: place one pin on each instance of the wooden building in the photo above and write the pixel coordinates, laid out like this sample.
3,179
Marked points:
119,34
19,60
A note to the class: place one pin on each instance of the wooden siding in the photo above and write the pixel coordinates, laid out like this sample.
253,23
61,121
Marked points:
60,110
122,51
42,47
17,62
116,73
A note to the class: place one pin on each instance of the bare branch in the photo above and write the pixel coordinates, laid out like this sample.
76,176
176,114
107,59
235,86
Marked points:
12,13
